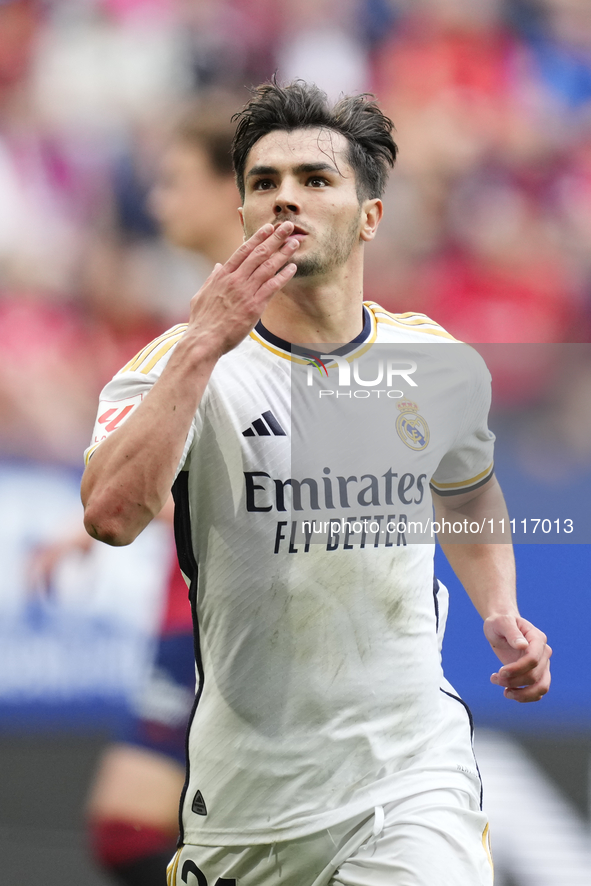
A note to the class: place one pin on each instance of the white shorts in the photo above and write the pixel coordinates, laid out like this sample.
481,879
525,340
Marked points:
436,838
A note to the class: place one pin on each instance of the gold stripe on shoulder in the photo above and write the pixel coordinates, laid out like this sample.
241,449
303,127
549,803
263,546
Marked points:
409,319
464,483
161,352
406,316
141,355
376,308
419,321
439,332
136,361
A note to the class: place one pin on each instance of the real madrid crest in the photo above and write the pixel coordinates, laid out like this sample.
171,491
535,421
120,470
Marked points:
412,427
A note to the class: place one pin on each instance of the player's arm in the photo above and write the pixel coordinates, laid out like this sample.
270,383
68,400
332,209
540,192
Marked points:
129,476
487,572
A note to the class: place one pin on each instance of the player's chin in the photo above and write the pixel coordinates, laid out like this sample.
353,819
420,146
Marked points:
308,266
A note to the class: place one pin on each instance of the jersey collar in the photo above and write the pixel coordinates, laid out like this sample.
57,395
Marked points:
289,351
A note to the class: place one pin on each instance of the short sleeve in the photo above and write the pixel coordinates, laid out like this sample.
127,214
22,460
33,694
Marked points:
124,393
469,463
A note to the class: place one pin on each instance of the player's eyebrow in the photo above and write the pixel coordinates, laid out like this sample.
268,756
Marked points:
315,167
262,170
297,170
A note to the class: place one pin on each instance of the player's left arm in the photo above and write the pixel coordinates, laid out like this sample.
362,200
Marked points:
487,571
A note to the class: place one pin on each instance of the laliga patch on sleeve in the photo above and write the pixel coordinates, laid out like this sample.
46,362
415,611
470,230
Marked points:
112,414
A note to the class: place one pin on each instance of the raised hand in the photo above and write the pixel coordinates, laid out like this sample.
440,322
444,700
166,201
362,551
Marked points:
233,297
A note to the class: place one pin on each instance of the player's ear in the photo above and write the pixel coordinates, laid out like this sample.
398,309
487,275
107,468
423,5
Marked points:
371,215
241,216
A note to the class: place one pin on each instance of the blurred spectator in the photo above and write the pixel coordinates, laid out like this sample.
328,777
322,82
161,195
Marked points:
46,187
558,34
55,356
231,43
480,240
320,44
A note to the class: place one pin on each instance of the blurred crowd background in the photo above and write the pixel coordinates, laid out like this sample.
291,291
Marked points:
487,229
488,215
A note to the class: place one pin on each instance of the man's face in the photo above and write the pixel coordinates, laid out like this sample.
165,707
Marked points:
189,198
303,176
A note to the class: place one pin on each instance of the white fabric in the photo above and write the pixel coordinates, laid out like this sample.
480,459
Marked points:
437,838
321,696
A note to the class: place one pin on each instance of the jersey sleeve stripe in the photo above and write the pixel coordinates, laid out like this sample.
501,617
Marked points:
486,846
409,320
172,868
437,331
160,353
378,309
463,485
136,361
418,321
89,452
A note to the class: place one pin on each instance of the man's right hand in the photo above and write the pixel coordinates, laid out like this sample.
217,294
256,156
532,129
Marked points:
234,296
129,476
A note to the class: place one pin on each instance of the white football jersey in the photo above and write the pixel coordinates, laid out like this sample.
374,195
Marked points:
320,688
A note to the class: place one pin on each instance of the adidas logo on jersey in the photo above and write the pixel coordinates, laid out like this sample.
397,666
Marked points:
198,806
265,426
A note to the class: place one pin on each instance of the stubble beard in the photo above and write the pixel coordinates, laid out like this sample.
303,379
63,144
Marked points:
331,254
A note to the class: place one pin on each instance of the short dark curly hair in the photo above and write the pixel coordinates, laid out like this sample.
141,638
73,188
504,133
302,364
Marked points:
301,105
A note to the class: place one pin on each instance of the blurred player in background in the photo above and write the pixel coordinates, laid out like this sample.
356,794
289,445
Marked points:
133,803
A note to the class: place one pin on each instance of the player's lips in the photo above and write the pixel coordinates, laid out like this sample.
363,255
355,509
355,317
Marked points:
298,232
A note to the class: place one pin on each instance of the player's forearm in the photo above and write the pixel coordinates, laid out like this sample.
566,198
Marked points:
485,569
128,478
487,572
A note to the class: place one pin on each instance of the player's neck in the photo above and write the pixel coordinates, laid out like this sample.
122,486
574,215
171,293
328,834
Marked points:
308,312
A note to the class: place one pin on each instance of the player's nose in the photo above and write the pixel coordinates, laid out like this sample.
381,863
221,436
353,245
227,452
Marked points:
286,199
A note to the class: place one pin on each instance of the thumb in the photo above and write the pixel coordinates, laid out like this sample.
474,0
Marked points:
506,628
518,641
515,636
